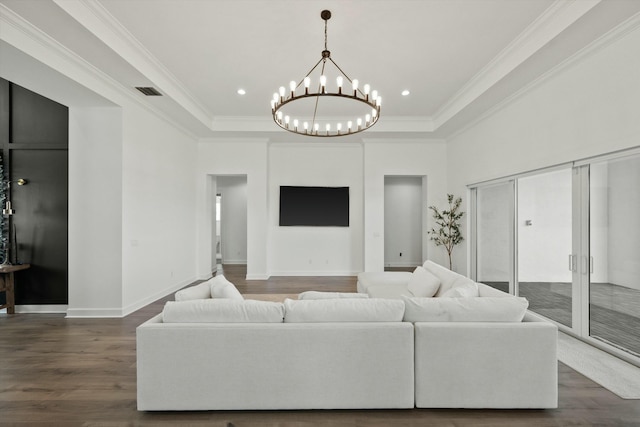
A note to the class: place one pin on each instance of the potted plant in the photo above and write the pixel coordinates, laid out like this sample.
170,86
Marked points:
447,233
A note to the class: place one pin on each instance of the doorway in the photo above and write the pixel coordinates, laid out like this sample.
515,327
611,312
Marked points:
403,219
230,236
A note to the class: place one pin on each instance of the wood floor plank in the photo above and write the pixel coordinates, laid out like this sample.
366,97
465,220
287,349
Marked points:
82,372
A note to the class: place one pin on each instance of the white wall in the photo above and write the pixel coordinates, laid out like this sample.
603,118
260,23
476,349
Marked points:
403,231
323,251
233,190
395,157
95,206
585,109
131,181
158,208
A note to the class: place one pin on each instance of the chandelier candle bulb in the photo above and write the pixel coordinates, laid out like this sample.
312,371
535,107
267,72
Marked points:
378,101
307,83
281,90
354,85
374,95
367,88
359,121
316,127
367,119
349,125
323,83
292,86
279,115
339,83
295,124
339,127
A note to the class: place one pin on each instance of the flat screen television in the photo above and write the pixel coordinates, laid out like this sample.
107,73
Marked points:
314,206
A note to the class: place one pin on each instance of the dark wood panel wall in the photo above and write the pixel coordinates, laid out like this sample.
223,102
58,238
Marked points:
34,138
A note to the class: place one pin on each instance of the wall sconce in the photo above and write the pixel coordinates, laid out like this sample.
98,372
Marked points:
8,210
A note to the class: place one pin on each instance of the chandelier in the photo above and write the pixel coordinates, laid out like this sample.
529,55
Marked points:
300,111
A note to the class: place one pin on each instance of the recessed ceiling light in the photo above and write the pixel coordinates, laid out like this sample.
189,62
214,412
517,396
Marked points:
241,91
405,92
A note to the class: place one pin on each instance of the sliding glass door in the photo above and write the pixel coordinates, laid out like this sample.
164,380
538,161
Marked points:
614,262
568,240
545,244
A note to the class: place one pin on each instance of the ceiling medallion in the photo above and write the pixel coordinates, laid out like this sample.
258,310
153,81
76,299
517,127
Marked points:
288,106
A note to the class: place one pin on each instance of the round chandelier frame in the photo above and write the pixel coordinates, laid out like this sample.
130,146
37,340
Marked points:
311,127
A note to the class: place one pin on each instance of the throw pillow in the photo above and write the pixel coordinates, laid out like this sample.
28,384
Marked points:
463,290
199,291
222,288
423,283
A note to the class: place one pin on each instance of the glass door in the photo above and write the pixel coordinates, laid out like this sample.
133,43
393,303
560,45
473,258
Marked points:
544,229
614,247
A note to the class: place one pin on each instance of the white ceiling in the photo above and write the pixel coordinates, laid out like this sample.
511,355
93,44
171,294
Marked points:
458,58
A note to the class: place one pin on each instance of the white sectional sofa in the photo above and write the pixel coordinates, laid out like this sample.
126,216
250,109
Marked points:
212,350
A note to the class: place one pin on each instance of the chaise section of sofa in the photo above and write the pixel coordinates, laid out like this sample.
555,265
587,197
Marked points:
486,364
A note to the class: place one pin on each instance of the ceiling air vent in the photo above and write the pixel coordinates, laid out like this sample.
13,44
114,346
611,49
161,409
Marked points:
149,91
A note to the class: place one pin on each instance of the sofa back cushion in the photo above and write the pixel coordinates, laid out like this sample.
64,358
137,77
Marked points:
423,283
343,310
329,295
480,309
222,288
462,290
199,291
448,278
222,311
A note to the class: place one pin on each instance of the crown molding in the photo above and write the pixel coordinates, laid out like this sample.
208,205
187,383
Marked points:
92,15
617,33
29,39
559,16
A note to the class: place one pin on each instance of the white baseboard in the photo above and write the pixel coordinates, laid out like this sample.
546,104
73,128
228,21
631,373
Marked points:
122,312
81,313
234,261
41,308
315,273
403,264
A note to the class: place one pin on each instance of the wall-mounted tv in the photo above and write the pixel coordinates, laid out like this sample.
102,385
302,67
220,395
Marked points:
314,206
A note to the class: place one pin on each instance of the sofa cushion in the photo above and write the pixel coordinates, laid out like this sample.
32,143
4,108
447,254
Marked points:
447,277
481,309
329,295
222,311
423,283
462,290
222,288
199,291
343,310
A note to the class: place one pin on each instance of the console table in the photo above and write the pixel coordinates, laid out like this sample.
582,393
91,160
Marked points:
7,285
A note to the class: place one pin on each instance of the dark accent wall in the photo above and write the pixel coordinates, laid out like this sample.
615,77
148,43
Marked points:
34,139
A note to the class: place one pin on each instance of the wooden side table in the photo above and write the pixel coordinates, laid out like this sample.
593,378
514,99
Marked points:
7,285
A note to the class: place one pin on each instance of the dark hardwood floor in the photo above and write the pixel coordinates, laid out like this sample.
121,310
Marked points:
82,372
